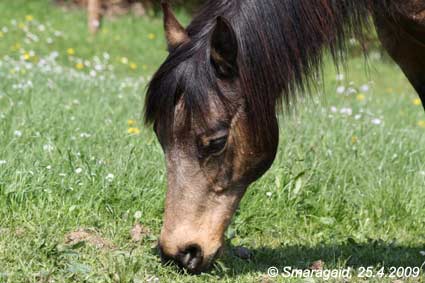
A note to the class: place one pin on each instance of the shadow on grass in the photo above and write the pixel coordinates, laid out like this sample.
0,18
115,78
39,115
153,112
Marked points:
350,254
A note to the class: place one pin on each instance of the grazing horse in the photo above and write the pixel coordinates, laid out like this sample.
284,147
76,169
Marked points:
213,102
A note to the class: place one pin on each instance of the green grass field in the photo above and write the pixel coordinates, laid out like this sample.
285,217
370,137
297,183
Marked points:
76,163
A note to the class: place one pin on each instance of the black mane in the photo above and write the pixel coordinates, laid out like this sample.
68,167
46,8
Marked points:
281,43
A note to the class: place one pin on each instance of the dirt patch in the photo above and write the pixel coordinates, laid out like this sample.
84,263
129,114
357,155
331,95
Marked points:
138,232
89,236
317,265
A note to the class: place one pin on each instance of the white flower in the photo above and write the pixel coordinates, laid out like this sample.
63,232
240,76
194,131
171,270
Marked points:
420,172
85,135
78,170
365,88
18,133
2,162
340,89
340,77
48,147
269,194
110,177
334,109
358,116
346,111
351,90
138,214
422,253
376,121
49,167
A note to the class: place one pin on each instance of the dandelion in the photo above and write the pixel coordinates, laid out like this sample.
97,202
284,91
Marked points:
29,18
354,139
18,133
79,66
138,215
133,131
421,123
131,122
360,97
70,51
417,102
133,66
151,36
26,56
78,170
110,177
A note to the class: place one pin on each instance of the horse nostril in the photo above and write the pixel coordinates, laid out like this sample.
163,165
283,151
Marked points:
191,257
164,258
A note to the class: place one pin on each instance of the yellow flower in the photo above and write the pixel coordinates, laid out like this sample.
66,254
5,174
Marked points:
22,26
16,46
354,139
131,122
151,36
124,60
29,18
26,56
421,123
1,34
360,97
390,89
417,102
70,51
79,66
133,131
133,66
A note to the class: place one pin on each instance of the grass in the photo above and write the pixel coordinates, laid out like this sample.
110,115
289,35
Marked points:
345,188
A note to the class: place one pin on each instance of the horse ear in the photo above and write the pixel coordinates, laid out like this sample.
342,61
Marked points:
174,31
224,48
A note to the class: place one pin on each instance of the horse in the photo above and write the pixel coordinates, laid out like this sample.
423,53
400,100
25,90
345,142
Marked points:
213,103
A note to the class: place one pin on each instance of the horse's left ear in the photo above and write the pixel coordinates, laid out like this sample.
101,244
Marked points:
224,49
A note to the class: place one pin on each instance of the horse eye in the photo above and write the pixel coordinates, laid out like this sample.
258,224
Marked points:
217,145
